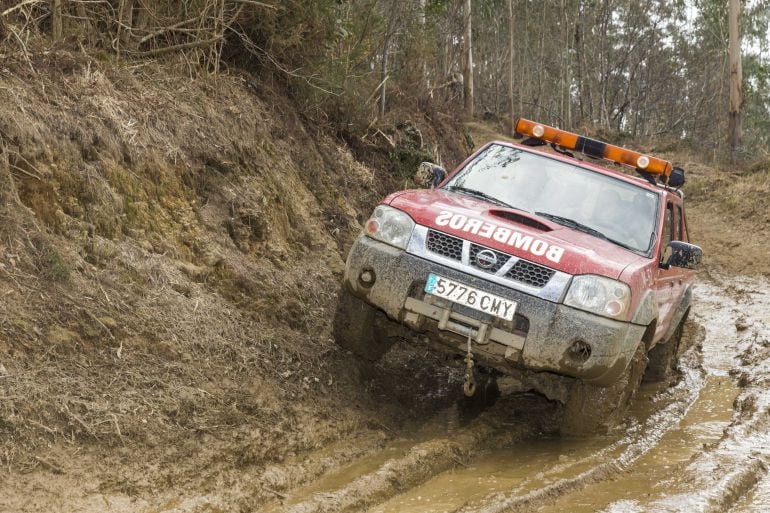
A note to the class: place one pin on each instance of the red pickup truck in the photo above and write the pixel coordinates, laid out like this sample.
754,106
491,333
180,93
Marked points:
564,275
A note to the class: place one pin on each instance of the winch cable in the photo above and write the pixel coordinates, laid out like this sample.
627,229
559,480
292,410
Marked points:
469,385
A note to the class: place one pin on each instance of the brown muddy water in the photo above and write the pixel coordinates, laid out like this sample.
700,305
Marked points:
699,445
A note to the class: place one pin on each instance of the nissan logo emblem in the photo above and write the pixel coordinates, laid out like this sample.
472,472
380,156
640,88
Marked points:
486,259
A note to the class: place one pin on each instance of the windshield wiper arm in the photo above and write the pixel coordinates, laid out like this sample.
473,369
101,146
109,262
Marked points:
482,195
571,223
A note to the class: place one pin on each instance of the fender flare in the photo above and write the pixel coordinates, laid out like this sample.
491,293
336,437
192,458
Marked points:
647,311
679,313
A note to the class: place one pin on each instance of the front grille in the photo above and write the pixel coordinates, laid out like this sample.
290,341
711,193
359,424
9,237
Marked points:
502,258
529,273
445,245
522,271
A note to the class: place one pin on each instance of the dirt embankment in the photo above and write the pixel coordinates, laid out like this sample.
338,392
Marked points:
170,252
729,214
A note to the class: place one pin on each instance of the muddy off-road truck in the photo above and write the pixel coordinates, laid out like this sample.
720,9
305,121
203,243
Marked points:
566,277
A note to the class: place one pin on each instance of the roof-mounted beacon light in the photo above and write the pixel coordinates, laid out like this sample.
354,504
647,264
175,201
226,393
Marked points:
644,164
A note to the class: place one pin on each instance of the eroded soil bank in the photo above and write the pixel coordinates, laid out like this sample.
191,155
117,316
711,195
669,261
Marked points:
170,254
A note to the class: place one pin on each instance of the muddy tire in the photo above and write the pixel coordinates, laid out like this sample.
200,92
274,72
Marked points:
663,356
593,409
360,328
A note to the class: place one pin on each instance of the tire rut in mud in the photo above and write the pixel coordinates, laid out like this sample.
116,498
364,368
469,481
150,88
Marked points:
501,425
639,439
717,476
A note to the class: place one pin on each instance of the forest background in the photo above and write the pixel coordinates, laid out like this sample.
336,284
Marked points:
658,70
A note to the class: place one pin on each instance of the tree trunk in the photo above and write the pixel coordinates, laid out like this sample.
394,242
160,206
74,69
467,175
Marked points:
85,23
511,25
57,19
468,61
425,76
142,17
384,74
736,78
384,64
125,21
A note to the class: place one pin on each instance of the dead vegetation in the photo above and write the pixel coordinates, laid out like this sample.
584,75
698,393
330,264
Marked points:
729,213
170,250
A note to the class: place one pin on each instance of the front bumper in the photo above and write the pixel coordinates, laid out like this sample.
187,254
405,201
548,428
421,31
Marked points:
542,337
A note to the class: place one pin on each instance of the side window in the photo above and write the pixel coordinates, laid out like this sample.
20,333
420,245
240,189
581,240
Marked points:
682,228
668,224
676,233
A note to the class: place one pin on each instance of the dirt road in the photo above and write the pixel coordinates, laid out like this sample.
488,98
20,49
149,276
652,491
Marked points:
701,444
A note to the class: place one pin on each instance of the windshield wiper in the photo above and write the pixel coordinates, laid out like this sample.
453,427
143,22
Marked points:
482,195
571,223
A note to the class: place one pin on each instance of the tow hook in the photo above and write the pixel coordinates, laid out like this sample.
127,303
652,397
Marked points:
469,385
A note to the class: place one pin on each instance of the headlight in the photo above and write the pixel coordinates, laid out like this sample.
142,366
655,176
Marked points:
599,295
390,226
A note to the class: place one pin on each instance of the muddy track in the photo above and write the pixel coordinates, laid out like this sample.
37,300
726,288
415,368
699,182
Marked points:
699,445
447,441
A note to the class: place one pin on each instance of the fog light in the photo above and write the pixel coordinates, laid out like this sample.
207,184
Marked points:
367,278
579,351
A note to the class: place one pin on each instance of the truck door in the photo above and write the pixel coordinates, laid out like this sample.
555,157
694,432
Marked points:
679,234
667,279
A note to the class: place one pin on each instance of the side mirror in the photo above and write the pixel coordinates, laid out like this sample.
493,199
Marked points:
429,174
684,255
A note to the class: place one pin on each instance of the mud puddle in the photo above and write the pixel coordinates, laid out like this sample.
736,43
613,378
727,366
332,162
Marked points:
448,440
500,471
695,446
546,463
703,424
757,501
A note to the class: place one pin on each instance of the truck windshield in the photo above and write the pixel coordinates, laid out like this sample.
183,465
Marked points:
578,198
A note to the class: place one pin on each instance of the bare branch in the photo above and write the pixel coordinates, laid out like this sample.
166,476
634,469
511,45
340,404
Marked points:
185,46
20,5
258,4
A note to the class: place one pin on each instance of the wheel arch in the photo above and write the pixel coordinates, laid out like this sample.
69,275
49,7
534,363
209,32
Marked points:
649,334
647,311
681,312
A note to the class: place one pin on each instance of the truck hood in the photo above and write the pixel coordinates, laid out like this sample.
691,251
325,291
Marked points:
514,232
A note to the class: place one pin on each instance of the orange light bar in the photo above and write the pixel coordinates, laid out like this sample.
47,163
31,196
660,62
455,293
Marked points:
594,148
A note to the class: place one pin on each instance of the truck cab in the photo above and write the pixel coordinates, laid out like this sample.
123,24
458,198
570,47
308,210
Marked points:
558,271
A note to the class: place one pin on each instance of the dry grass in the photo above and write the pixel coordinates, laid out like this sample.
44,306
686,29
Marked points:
729,215
170,253
131,313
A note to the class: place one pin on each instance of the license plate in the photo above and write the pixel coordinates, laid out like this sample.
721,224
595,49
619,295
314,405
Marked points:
469,296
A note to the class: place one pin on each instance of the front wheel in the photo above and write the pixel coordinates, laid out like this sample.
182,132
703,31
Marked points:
663,355
593,409
361,328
